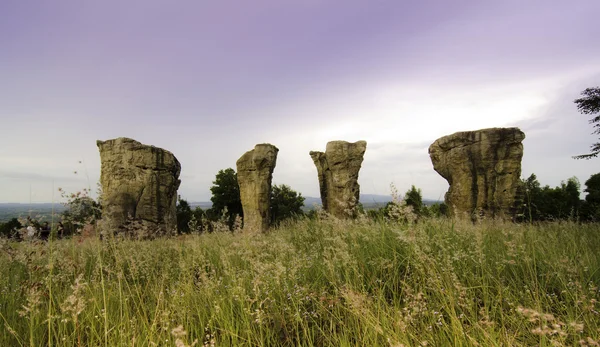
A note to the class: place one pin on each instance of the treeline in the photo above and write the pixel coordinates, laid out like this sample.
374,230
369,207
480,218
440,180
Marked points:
543,203
534,203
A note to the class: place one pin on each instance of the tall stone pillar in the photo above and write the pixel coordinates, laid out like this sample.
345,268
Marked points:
338,169
255,173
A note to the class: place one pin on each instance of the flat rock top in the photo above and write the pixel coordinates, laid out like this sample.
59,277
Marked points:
263,155
139,154
466,138
359,147
128,143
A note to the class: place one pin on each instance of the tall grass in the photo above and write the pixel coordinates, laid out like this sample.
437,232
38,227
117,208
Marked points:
321,282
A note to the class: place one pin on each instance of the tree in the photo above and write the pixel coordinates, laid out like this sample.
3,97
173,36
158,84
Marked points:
592,187
9,228
184,215
545,203
226,195
414,198
528,196
439,209
571,191
590,104
590,209
285,203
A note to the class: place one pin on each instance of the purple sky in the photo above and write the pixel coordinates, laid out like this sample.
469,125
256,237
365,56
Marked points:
209,80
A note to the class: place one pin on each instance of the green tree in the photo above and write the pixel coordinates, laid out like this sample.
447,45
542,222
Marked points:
572,192
592,188
528,197
9,228
589,103
439,209
226,195
539,203
590,208
414,198
184,215
285,203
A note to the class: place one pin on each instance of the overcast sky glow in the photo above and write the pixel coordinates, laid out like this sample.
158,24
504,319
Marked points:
209,80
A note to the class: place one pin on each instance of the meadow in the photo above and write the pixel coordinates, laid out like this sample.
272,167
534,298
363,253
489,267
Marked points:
313,282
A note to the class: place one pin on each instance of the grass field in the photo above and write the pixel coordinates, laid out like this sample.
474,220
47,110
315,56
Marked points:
319,282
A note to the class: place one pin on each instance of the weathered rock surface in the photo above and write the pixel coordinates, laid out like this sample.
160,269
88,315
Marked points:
255,173
138,181
483,169
338,171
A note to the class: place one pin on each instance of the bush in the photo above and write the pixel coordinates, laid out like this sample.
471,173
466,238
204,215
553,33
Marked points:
10,228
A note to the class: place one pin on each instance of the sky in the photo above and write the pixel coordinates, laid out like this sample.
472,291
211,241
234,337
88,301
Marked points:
207,80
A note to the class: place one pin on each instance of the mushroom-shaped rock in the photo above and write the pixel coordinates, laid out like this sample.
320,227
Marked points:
138,182
254,174
338,169
483,169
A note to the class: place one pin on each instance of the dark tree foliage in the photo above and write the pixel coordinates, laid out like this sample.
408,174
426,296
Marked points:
592,187
285,203
537,203
589,103
438,210
189,220
184,216
9,228
590,209
414,198
226,194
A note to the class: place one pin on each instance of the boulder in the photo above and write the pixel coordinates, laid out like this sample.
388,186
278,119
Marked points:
483,169
139,182
338,169
254,174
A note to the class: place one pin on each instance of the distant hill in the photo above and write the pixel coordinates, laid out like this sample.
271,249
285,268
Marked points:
35,210
205,205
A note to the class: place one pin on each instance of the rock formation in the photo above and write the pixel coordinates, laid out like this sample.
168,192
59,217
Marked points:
140,182
338,171
483,169
254,174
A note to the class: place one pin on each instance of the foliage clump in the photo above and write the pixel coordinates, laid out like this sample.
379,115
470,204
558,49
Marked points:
589,103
